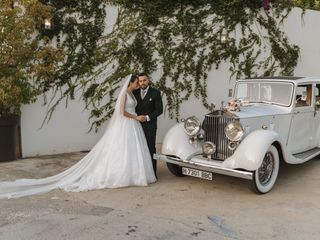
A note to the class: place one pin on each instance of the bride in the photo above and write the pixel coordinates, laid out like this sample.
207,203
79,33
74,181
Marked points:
120,158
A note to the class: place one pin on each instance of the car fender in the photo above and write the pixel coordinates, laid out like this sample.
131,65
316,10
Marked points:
177,143
251,151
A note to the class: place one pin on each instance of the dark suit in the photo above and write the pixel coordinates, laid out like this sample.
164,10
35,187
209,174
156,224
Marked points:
152,106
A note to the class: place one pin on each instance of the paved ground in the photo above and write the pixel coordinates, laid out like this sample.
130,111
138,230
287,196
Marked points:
172,208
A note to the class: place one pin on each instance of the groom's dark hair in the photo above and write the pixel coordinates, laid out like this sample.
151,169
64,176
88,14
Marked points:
143,74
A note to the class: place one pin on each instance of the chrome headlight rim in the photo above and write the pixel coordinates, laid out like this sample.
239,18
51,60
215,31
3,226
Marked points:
192,126
234,131
208,148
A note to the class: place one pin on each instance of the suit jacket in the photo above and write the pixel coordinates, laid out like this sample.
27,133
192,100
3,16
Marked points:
150,105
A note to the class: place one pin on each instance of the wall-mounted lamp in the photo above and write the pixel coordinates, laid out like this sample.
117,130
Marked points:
47,24
224,38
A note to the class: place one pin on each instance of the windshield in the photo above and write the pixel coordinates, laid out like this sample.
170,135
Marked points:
278,93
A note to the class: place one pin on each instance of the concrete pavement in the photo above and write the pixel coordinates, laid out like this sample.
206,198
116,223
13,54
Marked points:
172,208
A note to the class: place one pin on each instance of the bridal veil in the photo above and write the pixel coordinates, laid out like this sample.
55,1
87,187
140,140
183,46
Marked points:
120,158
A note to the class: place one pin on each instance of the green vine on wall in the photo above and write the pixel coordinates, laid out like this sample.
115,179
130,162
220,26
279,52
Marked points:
78,26
180,41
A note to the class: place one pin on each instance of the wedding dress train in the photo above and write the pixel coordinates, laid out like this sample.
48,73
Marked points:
120,158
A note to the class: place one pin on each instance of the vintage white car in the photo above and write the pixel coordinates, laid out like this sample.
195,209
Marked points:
269,120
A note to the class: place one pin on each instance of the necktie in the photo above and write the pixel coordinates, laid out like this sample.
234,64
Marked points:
143,93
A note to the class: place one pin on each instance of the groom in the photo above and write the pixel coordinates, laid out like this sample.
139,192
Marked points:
150,106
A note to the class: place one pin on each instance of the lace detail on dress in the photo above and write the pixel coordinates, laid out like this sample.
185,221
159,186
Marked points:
131,104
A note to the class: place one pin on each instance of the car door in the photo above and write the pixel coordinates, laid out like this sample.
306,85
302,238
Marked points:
316,119
301,137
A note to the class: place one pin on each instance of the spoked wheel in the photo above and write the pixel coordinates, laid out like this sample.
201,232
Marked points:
265,177
175,169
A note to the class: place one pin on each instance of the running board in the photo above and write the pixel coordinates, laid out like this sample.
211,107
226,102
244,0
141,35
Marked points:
307,155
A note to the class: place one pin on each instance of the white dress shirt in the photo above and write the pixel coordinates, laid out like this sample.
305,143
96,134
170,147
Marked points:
143,92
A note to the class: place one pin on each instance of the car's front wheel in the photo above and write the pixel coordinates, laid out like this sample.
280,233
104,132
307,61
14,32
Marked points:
175,169
266,175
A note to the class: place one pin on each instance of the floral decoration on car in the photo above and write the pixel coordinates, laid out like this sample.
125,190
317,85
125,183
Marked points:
233,105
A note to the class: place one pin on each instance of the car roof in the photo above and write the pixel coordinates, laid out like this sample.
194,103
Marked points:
285,78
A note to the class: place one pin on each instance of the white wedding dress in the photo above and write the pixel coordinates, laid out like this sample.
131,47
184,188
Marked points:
121,158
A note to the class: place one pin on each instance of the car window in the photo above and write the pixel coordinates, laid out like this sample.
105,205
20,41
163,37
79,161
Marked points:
317,96
303,95
278,93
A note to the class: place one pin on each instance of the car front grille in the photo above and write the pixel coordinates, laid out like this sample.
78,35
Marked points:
214,125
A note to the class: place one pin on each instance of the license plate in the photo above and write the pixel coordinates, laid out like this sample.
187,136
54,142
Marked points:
197,173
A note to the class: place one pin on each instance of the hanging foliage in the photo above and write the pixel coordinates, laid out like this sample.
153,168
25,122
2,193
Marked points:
181,41
307,4
27,59
77,28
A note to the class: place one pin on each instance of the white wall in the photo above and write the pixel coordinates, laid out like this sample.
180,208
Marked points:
67,130
305,32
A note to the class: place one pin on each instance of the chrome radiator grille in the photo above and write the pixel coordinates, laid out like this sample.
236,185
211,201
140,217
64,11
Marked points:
214,125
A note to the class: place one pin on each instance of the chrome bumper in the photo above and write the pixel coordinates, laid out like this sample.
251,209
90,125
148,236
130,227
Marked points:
204,167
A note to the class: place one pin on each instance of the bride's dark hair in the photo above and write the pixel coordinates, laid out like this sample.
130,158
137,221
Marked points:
133,78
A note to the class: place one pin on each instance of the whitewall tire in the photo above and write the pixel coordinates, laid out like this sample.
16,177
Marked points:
265,177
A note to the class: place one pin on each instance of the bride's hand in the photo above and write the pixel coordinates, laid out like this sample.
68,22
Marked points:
141,118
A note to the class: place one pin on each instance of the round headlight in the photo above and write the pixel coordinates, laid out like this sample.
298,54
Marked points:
208,148
234,131
192,126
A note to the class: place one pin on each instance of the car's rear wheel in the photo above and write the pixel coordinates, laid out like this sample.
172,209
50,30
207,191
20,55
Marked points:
175,169
266,175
